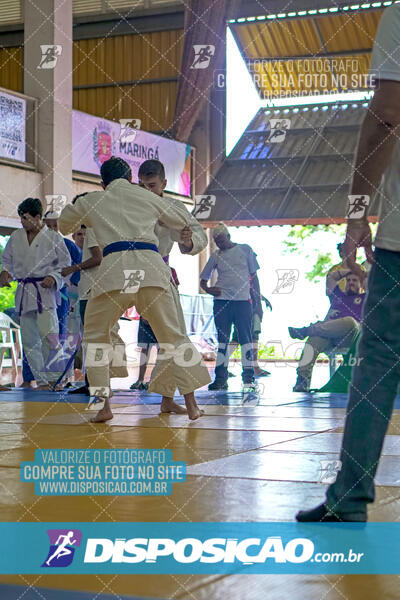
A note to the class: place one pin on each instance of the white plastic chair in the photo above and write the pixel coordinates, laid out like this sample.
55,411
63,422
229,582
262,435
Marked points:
10,340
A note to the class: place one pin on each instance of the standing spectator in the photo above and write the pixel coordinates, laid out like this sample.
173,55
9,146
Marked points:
376,373
235,264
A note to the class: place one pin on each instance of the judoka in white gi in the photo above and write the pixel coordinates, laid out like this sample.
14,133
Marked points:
191,240
34,256
133,272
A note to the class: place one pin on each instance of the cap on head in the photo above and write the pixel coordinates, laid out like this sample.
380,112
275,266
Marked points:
220,228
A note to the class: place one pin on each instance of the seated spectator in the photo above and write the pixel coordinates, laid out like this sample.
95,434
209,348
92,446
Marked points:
339,329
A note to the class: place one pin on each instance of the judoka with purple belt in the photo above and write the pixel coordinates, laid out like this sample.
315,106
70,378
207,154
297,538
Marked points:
34,256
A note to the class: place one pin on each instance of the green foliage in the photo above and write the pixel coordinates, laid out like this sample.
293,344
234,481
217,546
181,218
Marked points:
298,237
297,240
7,296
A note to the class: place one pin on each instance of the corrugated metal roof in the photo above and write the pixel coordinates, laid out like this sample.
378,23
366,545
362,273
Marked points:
281,51
304,177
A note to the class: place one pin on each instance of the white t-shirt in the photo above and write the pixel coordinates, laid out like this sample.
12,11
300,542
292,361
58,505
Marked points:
234,267
89,275
385,64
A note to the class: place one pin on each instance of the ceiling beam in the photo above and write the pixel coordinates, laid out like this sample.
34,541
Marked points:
106,25
310,56
253,8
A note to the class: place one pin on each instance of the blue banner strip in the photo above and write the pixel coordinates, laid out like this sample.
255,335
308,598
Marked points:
199,548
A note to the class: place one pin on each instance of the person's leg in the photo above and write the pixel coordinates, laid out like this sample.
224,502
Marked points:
27,375
52,349
146,339
101,314
223,323
83,389
179,364
243,320
372,394
372,391
324,336
118,366
32,345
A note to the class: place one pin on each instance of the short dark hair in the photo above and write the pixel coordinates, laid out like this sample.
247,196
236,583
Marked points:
115,168
152,167
32,206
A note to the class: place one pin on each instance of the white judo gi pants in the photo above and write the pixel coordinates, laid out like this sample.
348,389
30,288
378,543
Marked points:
40,339
179,365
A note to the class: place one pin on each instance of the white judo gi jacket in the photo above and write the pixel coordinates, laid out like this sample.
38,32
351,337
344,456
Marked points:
126,212
46,256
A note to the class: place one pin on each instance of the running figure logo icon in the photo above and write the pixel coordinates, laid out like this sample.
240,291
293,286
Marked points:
50,55
202,56
62,547
286,281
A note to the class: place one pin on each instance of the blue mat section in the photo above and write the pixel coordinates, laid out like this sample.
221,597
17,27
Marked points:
22,592
204,398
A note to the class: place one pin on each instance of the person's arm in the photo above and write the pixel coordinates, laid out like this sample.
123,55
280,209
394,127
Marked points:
63,260
256,295
379,131
173,215
205,276
334,277
73,215
197,240
213,290
90,263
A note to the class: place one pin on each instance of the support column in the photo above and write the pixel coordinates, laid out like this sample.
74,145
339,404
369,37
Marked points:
48,77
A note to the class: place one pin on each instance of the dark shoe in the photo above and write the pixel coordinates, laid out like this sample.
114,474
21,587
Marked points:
80,390
218,386
302,385
321,514
262,373
139,385
298,333
231,374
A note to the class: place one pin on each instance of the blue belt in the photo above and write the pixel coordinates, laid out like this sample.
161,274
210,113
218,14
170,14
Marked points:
120,246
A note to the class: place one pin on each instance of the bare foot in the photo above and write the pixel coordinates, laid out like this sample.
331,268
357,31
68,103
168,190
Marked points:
193,410
169,406
196,414
105,414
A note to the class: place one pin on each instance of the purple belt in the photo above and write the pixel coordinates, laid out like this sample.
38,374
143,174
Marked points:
33,280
